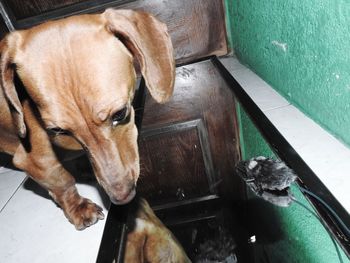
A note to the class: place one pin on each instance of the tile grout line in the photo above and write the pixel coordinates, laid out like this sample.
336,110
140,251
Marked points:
277,107
259,86
12,195
242,67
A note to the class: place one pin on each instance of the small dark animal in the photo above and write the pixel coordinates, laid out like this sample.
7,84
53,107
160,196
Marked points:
268,178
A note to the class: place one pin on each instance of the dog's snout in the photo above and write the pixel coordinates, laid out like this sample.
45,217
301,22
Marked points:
123,194
122,191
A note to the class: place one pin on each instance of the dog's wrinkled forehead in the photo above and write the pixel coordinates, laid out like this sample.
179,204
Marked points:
82,65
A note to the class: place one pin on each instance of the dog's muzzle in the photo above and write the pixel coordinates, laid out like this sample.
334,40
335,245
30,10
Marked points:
125,200
123,197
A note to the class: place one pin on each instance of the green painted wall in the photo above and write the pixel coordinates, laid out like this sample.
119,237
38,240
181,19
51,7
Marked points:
289,235
301,48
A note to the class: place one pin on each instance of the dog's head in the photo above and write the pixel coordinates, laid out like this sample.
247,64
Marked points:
79,73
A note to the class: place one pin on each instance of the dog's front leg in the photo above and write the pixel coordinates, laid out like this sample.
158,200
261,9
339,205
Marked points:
36,156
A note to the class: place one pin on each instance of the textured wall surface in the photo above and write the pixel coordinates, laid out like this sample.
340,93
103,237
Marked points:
290,235
302,49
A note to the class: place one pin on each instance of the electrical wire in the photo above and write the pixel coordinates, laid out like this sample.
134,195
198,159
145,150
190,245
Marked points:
319,219
334,214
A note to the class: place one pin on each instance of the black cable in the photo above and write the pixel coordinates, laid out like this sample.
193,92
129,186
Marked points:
271,176
266,256
319,219
334,214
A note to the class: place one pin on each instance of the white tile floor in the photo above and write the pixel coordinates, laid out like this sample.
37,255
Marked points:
34,229
324,154
10,181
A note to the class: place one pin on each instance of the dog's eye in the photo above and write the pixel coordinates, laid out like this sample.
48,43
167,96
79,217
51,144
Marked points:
119,116
57,131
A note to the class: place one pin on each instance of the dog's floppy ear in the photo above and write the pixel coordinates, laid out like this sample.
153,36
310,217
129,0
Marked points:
7,84
148,40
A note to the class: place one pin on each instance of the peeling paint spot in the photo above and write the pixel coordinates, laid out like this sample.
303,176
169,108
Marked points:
280,45
337,76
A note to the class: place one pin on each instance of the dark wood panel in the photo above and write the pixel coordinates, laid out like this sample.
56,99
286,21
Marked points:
23,9
3,28
37,12
175,163
197,27
200,93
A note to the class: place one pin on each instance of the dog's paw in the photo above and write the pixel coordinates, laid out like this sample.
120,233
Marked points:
85,214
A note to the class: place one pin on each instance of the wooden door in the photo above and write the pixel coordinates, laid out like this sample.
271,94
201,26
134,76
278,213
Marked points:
189,146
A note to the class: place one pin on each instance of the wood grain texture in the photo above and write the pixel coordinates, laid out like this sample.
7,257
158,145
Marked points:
3,29
23,9
200,93
197,27
172,166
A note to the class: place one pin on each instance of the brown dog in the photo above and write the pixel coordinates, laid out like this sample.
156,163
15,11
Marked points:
79,80
150,241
